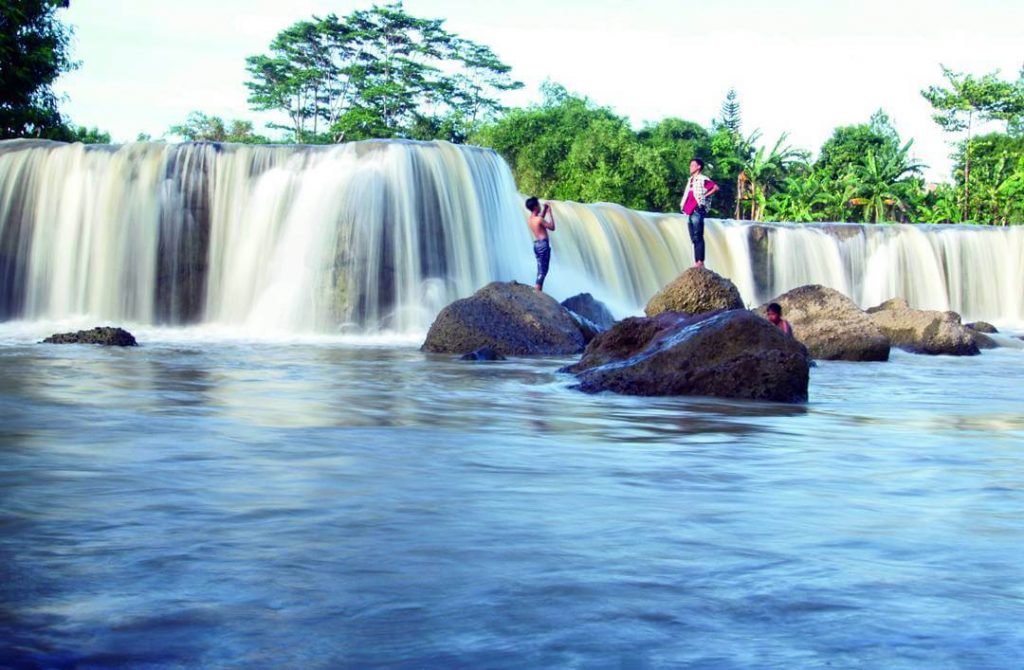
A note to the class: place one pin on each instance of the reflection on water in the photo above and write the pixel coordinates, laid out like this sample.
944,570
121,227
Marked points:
227,504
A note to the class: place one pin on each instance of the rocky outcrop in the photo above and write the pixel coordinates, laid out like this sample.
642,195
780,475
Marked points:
922,331
831,325
727,354
511,318
112,337
696,291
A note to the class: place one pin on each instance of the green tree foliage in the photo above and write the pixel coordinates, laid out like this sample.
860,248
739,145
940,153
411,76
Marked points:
970,99
379,72
571,149
33,53
730,119
87,135
202,128
765,171
883,185
997,169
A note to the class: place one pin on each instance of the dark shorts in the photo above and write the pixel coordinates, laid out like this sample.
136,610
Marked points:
542,250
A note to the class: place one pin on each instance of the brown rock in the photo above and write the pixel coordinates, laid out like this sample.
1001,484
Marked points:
728,354
923,331
511,318
831,325
696,291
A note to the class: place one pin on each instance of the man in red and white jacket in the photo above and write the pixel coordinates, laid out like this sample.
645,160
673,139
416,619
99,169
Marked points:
694,205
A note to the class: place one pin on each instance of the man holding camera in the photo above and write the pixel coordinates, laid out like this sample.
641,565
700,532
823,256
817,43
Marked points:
540,222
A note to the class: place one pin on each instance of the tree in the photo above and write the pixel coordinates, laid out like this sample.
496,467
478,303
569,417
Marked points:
379,72
34,51
202,128
88,135
883,184
676,142
730,119
764,171
986,97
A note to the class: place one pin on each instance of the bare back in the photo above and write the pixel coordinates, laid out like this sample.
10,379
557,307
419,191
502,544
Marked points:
540,223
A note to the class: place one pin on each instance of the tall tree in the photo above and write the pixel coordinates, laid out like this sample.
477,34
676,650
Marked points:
379,72
731,112
34,51
967,100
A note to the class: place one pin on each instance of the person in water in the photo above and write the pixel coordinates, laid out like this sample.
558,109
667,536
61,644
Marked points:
775,316
541,221
694,205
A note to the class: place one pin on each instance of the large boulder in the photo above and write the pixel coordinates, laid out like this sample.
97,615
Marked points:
728,354
696,291
105,335
831,325
923,331
511,318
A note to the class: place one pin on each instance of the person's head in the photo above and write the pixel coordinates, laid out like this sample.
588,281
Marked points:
775,312
533,204
696,165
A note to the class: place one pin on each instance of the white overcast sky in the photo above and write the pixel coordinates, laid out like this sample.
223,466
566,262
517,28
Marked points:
799,66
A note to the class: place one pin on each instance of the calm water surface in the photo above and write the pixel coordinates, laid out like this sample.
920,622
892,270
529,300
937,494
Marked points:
212,504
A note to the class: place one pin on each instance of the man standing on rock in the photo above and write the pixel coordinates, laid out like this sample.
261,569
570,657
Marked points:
540,222
694,205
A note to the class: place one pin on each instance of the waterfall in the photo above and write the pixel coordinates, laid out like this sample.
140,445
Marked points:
379,235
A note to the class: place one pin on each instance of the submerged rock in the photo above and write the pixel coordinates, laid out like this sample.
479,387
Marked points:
592,316
831,325
511,318
591,309
923,331
482,354
114,337
982,327
727,354
696,291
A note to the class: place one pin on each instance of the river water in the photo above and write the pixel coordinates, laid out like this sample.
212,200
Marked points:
204,502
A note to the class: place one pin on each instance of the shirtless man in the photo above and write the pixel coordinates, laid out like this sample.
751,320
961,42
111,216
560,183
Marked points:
775,316
540,222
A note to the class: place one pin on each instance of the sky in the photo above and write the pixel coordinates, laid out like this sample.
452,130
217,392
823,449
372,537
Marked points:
803,67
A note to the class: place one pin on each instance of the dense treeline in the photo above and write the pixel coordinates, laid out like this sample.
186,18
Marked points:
383,73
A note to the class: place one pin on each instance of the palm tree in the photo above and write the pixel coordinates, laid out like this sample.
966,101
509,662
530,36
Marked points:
880,184
766,170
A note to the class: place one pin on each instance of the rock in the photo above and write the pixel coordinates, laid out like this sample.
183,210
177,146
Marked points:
923,331
696,291
115,337
594,311
511,318
728,354
592,316
482,354
891,303
982,327
983,341
831,325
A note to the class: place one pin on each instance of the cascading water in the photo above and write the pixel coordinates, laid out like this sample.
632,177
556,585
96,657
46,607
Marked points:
380,235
